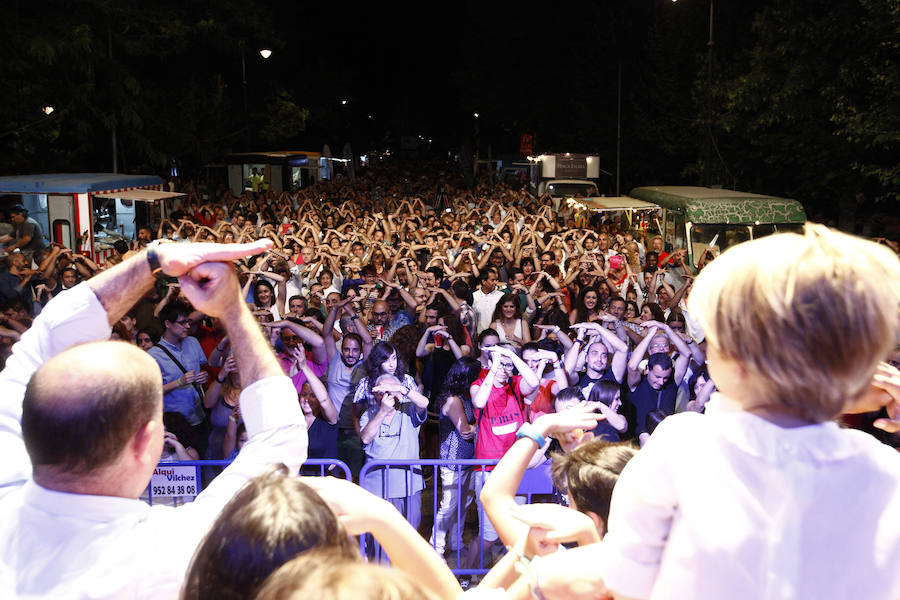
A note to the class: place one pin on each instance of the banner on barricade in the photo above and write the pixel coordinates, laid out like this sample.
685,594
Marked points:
168,481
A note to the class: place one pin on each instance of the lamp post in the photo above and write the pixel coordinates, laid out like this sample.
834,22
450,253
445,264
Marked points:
709,60
264,53
707,150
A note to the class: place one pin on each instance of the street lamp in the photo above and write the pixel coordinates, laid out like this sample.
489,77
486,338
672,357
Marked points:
707,151
47,110
265,53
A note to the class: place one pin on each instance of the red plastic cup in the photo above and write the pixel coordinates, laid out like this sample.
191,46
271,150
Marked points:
438,339
379,331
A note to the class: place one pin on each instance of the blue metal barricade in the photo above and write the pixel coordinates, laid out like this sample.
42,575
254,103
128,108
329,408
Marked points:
468,480
171,481
183,479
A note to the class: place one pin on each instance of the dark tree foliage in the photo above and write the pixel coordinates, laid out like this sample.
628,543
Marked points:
805,98
813,112
164,76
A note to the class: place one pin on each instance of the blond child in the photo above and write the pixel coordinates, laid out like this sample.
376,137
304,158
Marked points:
765,496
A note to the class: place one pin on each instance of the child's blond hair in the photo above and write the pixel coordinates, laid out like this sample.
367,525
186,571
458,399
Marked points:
809,316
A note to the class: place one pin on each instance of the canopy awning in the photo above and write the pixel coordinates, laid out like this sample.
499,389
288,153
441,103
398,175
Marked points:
140,195
74,183
611,203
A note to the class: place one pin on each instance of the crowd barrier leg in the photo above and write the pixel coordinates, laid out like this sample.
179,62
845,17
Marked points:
450,505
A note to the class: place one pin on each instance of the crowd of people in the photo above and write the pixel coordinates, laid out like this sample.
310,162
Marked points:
395,319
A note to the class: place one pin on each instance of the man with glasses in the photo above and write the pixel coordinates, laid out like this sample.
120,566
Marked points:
379,321
499,401
180,359
294,334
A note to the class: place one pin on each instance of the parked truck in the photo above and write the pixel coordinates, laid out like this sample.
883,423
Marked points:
696,218
566,175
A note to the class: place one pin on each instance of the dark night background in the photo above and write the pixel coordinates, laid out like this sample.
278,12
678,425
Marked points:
805,95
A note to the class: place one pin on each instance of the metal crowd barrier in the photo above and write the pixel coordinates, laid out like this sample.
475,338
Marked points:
535,481
184,479
180,481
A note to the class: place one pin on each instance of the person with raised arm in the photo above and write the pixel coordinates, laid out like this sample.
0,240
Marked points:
499,401
764,495
345,370
81,432
591,348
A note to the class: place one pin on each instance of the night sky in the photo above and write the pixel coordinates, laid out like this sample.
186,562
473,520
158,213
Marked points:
549,70
805,97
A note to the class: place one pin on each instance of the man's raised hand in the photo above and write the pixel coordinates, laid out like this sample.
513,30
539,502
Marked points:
212,288
178,259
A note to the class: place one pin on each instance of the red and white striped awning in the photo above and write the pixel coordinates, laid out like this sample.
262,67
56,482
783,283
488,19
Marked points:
140,195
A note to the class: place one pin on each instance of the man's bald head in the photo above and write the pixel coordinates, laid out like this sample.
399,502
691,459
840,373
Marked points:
83,406
380,313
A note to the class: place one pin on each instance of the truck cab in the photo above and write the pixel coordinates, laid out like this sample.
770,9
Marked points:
568,188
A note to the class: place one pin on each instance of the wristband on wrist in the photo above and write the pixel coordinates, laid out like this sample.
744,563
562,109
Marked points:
534,584
153,257
153,261
528,430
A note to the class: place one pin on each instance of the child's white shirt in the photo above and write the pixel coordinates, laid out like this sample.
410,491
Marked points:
729,505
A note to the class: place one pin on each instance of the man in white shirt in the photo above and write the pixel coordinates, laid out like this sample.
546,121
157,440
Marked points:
603,247
81,432
485,299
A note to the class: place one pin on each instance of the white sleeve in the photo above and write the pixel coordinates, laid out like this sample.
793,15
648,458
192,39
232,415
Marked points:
277,435
73,317
640,518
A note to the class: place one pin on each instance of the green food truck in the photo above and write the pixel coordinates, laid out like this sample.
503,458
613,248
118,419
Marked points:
697,217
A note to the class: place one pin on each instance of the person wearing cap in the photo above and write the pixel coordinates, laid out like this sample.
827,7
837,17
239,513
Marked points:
28,238
15,281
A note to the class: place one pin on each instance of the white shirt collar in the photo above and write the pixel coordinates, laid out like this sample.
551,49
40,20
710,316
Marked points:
84,507
768,441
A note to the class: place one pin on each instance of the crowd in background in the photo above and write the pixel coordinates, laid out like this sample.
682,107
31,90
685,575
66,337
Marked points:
417,320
